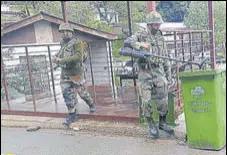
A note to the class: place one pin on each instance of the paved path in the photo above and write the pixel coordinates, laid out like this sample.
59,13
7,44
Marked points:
65,142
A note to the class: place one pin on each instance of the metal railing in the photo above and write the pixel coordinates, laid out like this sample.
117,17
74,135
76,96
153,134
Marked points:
29,83
27,71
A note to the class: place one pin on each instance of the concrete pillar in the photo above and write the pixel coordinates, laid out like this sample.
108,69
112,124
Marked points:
151,6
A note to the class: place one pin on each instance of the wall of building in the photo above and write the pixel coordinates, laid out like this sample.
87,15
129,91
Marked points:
43,32
15,65
100,64
55,33
25,35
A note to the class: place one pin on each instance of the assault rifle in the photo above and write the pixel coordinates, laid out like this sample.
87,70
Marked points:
143,53
56,65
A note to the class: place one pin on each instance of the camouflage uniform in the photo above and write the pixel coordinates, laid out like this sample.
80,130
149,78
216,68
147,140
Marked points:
72,81
154,73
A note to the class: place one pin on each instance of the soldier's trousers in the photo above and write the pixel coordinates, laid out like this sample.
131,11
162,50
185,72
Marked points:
154,90
70,91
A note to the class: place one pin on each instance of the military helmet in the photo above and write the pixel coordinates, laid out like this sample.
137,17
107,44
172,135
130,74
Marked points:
154,18
65,26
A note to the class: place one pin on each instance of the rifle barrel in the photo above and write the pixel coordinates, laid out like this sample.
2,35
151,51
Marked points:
141,53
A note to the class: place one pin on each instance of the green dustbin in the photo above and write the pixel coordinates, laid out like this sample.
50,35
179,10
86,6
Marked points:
204,99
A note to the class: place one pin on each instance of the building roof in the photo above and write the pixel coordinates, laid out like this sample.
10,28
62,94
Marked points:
53,19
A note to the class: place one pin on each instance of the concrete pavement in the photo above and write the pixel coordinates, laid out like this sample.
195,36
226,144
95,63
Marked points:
125,130
104,127
67,142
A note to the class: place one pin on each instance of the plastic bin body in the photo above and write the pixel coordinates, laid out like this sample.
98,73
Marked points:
204,99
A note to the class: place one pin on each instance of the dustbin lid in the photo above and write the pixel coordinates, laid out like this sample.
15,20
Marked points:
201,73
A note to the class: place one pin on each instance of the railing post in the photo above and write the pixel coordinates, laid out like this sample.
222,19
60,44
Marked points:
175,43
177,69
112,72
30,78
5,81
182,44
190,47
52,75
91,68
202,44
211,27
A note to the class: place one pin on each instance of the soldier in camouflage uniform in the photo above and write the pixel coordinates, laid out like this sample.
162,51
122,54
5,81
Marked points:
154,73
71,59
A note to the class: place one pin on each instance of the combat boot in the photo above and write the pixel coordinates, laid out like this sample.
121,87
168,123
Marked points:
72,118
164,126
153,130
92,108
66,120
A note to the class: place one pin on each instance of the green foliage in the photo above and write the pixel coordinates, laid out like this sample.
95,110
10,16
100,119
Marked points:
117,79
4,19
101,25
138,14
138,11
198,18
108,9
33,7
116,48
80,12
173,11
12,92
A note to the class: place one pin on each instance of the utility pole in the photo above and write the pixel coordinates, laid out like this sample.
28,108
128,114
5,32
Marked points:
129,18
64,11
130,33
151,6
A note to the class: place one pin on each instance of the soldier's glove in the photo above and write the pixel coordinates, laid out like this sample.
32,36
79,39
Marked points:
146,46
57,60
171,84
170,81
83,82
168,78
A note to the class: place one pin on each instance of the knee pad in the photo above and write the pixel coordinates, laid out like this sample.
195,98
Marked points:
161,87
162,106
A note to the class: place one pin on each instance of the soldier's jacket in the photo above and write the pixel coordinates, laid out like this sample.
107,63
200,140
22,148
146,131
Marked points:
155,66
72,55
